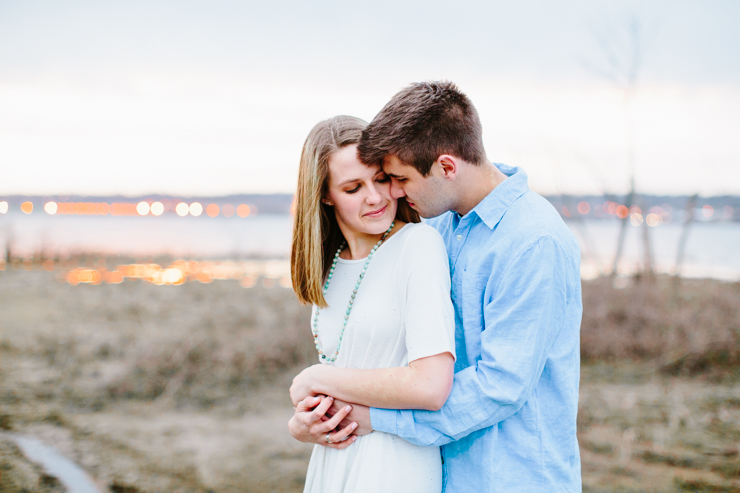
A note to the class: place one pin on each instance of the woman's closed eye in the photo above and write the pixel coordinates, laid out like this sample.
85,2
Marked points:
353,190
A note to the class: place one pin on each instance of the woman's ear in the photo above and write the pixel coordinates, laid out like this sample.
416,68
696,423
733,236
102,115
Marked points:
327,202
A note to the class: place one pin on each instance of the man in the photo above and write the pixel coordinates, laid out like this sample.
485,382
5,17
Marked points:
509,424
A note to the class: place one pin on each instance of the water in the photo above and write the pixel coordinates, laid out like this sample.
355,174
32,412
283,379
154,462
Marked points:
74,479
187,237
711,251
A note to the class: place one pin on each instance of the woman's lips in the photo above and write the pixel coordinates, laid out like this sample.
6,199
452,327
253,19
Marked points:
377,213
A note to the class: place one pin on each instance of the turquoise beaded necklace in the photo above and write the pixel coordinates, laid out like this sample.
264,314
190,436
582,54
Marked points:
315,325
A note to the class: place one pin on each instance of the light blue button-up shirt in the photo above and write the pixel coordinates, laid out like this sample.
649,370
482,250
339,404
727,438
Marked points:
509,424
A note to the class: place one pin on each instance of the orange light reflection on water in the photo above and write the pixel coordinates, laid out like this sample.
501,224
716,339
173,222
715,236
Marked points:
142,208
247,273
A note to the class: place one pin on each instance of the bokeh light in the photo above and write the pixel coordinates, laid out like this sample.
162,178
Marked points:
242,210
157,208
172,275
27,207
653,219
727,212
566,212
3,207
621,211
123,209
182,209
636,219
212,210
115,277
82,275
142,208
51,208
228,210
707,211
584,207
196,209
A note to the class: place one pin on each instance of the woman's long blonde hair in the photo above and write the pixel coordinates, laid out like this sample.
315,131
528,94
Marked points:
316,234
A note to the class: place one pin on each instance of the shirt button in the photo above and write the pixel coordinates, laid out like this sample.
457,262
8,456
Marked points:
459,237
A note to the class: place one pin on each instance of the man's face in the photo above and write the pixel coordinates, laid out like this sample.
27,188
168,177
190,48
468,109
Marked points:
426,195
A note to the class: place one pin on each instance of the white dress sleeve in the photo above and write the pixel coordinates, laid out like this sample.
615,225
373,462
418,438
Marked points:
429,318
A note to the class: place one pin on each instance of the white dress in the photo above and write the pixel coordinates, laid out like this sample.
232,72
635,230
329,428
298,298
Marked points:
402,312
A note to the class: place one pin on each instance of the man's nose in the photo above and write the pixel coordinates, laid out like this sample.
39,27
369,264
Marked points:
397,190
373,196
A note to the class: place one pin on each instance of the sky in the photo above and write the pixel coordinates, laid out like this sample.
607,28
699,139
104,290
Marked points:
214,98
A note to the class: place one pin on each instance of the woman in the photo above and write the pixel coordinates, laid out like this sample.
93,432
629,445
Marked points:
382,318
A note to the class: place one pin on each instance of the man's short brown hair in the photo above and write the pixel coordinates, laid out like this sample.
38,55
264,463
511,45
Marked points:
422,122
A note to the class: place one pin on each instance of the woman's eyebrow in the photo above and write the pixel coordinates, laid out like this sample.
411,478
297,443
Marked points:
351,180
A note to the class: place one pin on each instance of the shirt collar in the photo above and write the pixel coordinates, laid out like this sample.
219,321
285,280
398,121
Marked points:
493,207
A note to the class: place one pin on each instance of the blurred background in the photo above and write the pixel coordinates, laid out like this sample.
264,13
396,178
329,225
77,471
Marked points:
148,157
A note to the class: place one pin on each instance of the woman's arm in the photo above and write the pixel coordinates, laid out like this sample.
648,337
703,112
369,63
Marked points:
424,384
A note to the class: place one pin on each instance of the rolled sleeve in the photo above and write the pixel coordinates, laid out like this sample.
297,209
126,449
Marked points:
384,420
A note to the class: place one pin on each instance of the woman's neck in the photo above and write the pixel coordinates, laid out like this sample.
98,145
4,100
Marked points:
359,245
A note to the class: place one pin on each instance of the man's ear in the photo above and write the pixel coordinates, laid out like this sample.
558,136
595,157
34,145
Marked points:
449,166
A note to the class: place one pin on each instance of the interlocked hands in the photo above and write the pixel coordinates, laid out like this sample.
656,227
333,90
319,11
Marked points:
311,424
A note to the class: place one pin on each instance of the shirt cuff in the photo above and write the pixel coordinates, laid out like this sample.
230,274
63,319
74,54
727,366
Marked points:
384,420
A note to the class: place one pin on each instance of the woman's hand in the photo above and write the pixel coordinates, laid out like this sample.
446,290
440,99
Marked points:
308,424
304,384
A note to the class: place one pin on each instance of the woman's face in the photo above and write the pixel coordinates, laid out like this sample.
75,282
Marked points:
360,194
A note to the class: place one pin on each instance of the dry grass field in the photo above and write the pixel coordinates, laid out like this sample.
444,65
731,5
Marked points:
184,388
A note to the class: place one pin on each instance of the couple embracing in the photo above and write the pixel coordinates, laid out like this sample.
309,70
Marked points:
449,349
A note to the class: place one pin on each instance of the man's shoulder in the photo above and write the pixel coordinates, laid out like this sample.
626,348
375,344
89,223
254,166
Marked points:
441,222
532,217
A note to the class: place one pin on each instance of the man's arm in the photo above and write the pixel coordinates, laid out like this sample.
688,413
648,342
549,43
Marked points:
522,321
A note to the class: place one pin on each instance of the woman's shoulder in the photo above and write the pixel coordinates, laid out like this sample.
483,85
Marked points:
418,233
420,240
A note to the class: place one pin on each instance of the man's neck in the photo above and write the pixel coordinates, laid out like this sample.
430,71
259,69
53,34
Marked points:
477,182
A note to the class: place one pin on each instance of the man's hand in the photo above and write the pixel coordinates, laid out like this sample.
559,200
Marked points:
307,424
359,415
